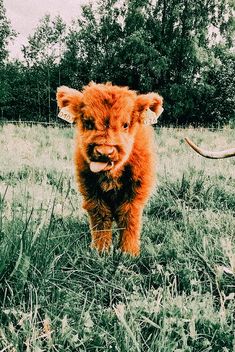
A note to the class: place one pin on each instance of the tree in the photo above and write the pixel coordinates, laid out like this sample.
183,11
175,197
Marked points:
92,44
180,48
216,89
6,33
43,55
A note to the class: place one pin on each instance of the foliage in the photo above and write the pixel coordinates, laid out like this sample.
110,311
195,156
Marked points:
183,49
6,33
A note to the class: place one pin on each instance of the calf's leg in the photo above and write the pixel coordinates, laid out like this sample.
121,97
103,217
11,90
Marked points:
129,219
100,225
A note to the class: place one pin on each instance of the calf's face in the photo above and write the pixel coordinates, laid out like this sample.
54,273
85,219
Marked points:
107,119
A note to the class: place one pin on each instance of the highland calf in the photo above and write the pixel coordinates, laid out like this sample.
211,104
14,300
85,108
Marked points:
114,158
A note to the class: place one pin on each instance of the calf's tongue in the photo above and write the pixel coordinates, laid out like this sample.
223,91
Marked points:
96,166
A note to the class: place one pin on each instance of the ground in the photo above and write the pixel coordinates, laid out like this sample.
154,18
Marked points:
57,294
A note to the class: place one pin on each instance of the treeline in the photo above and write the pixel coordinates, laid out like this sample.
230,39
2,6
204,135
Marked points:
184,49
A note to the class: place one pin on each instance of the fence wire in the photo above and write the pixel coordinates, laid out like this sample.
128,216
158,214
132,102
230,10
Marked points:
61,124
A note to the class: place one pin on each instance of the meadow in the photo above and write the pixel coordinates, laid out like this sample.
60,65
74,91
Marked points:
57,294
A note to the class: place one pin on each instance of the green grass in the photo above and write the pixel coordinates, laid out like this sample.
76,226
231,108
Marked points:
58,295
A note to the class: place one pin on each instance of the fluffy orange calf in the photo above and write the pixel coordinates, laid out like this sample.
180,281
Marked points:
114,158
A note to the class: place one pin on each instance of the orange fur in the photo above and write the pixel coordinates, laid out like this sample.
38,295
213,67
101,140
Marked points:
112,139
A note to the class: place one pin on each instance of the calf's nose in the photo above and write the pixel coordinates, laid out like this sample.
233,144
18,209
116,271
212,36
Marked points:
104,149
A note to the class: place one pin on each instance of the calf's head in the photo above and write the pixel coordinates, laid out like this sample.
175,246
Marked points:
107,118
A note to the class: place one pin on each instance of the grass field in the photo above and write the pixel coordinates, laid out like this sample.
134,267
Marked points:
57,294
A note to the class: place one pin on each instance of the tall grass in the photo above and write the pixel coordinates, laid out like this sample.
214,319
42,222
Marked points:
58,295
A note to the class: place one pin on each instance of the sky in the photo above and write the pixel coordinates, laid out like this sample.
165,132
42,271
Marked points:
25,14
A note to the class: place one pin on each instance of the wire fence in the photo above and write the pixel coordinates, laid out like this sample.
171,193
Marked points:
61,124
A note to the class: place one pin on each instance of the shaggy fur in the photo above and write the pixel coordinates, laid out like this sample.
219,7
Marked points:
114,158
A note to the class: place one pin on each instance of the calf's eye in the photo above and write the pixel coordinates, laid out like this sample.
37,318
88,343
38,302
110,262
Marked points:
125,125
89,125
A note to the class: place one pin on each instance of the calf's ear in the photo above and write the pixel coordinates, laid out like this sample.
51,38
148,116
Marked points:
152,101
69,99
